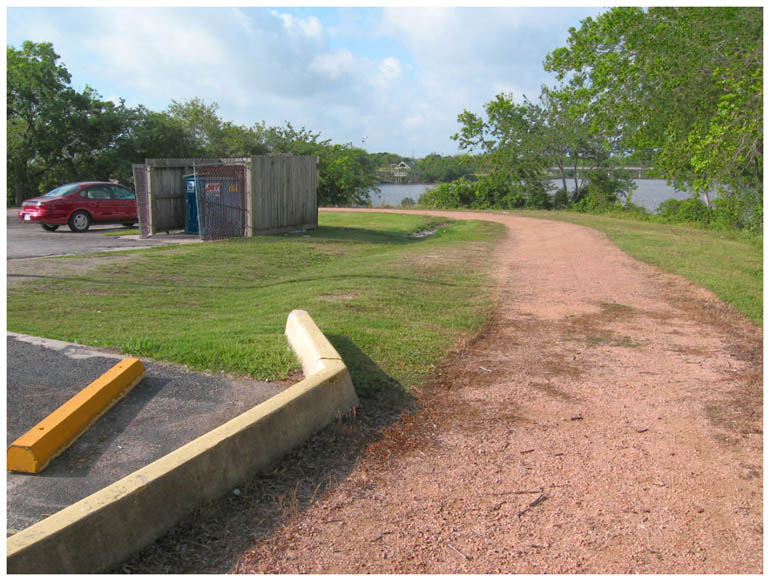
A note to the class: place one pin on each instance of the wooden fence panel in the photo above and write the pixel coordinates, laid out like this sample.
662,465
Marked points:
167,198
285,193
142,199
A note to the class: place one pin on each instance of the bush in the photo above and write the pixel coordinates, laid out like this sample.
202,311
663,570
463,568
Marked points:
491,192
560,199
595,201
407,203
692,210
667,210
457,194
737,212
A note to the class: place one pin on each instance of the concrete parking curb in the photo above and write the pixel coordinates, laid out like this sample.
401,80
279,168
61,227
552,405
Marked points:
33,451
105,528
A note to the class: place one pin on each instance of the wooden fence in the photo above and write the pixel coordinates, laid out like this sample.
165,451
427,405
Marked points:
284,193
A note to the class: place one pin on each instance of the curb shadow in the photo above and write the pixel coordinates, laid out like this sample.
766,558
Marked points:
214,537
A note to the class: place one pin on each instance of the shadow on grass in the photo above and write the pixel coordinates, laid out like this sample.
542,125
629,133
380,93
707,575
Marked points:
364,235
229,286
214,537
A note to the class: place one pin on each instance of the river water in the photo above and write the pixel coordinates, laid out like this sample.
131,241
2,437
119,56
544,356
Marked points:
648,193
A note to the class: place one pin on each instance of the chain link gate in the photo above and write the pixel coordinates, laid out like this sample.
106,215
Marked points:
220,192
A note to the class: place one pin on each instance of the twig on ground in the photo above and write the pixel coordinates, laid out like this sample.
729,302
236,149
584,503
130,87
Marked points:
532,504
459,552
539,491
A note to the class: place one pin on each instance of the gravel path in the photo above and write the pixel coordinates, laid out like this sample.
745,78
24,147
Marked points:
609,420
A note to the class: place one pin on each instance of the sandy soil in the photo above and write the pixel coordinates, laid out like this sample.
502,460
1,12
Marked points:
609,420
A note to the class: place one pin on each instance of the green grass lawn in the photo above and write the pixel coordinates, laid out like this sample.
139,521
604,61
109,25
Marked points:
727,264
390,302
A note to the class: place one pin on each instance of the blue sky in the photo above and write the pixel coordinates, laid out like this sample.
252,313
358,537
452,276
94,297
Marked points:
384,78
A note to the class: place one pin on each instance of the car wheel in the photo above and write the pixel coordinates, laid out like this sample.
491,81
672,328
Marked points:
50,227
79,221
128,224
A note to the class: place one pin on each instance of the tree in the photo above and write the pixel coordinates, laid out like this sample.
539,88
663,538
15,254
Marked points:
203,123
47,120
239,141
511,139
149,135
435,168
56,134
683,86
576,147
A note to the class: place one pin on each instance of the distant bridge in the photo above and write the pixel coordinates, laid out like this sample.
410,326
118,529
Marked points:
570,171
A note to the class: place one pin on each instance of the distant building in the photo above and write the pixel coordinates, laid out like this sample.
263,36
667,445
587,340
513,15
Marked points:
398,173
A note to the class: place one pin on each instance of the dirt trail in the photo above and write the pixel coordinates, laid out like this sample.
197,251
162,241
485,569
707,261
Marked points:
609,420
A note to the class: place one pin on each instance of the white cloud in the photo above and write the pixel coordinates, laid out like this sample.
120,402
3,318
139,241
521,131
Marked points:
161,55
243,20
333,64
390,70
309,27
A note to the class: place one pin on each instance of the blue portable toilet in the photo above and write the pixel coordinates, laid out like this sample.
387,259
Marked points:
191,214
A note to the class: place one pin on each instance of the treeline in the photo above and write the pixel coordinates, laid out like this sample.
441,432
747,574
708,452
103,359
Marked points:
677,90
58,135
433,168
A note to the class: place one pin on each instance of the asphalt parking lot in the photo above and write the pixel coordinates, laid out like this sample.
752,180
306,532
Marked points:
169,408
31,241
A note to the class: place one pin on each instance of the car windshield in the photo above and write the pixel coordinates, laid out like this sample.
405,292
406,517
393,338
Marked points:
62,191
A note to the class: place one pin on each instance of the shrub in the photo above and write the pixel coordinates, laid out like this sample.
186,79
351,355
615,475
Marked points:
740,212
457,194
560,199
668,209
691,210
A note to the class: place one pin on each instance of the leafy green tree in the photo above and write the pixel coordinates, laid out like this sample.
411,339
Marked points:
683,85
384,160
239,141
347,176
56,135
573,146
512,140
148,135
203,123
49,124
436,168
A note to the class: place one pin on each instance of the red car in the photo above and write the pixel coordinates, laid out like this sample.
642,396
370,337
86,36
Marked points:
81,204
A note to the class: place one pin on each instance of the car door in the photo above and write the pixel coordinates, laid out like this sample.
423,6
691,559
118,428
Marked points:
125,204
99,203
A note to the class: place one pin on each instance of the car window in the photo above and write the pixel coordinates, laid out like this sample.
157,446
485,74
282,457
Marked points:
122,193
97,193
62,191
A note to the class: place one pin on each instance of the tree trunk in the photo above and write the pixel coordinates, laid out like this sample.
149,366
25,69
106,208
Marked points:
19,187
576,193
563,177
18,195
